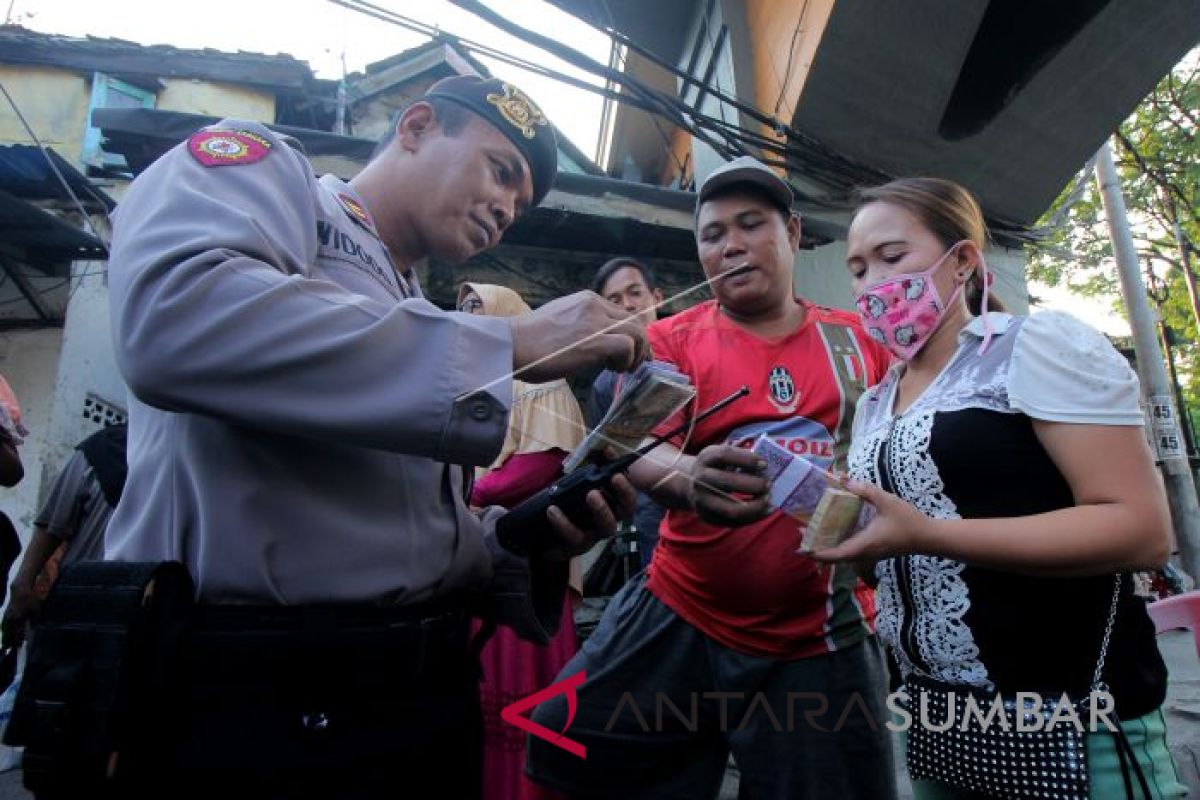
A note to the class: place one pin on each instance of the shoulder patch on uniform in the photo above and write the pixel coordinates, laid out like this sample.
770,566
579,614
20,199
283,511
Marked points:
356,211
223,148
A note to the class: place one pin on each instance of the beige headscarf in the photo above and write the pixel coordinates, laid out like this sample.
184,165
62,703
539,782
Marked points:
544,415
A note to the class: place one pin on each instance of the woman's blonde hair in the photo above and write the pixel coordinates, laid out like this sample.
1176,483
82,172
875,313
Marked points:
949,211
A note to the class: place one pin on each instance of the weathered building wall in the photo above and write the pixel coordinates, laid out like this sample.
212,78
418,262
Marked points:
53,101
29,361
67,379
218,99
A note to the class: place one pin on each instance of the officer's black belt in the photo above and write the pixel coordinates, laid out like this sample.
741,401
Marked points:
340,617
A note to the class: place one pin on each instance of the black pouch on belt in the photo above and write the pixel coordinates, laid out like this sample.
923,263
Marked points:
96,700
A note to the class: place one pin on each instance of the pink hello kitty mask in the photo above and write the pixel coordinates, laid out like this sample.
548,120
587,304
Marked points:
903,311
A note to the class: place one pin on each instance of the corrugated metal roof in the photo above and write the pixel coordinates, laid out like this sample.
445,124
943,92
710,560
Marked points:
25,172
20,45
46,239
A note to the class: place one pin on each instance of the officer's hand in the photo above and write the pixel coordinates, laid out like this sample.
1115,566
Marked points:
563,337
726,486
575,540
23,605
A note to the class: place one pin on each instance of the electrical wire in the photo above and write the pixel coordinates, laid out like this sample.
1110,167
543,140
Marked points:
775,124
659,102
54,167
800,152
712,48
40,292
79,282
74,198
787,70
646,98
623,66
819,160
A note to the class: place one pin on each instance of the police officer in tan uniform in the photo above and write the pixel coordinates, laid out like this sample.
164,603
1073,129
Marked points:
302,429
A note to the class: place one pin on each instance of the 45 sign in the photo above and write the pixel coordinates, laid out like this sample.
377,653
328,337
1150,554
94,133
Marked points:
1164,432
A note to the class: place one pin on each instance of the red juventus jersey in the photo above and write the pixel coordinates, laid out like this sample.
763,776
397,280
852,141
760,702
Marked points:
747,587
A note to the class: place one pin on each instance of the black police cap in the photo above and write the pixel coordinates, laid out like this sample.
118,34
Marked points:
511,112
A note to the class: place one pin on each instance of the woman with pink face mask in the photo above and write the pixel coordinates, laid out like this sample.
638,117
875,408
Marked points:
1014,489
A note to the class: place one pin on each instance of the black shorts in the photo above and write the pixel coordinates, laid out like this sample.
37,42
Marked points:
663,705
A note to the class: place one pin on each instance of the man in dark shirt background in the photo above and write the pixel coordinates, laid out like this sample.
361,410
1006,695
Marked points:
628,283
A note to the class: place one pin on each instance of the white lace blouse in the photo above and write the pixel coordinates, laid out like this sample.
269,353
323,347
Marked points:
1048,366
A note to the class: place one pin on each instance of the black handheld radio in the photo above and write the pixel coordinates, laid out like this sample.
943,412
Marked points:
525,530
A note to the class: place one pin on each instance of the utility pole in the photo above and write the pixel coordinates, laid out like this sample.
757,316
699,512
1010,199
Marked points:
339,120
1165,335
1177,474
1166,338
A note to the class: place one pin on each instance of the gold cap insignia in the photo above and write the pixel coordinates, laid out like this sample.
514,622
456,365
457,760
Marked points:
516,107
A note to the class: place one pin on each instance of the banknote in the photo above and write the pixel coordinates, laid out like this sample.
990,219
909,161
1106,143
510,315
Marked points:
838,514
646,397
796,483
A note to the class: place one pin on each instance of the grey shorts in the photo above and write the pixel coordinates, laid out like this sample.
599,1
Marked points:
663,705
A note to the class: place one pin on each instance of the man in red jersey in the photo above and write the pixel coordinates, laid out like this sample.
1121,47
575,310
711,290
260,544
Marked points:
732,641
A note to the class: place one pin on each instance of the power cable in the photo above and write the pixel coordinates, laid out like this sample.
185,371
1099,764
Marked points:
652,100
623,66
712,47
573,57
658,103
801,151
823,161
787,70
54,167
809,147
87,221
40,292
79,282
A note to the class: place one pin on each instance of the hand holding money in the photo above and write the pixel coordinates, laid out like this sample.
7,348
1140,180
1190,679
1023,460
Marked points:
805,491
530,528
572,333
647,397
728,486
896,528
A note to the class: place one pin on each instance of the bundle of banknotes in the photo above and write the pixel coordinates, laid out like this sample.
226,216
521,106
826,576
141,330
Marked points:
796,483
808,493
645,398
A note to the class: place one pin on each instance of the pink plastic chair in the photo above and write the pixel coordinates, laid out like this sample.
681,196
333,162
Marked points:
1180,611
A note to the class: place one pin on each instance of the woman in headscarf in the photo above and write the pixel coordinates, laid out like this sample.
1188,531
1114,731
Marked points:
545,424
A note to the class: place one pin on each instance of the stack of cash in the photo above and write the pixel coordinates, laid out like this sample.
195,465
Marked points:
796,483
836,517
648,396
807,493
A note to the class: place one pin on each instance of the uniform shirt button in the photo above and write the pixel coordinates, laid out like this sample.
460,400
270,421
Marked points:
315,722
480,410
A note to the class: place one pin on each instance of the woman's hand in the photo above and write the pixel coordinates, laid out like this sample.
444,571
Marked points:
897,529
